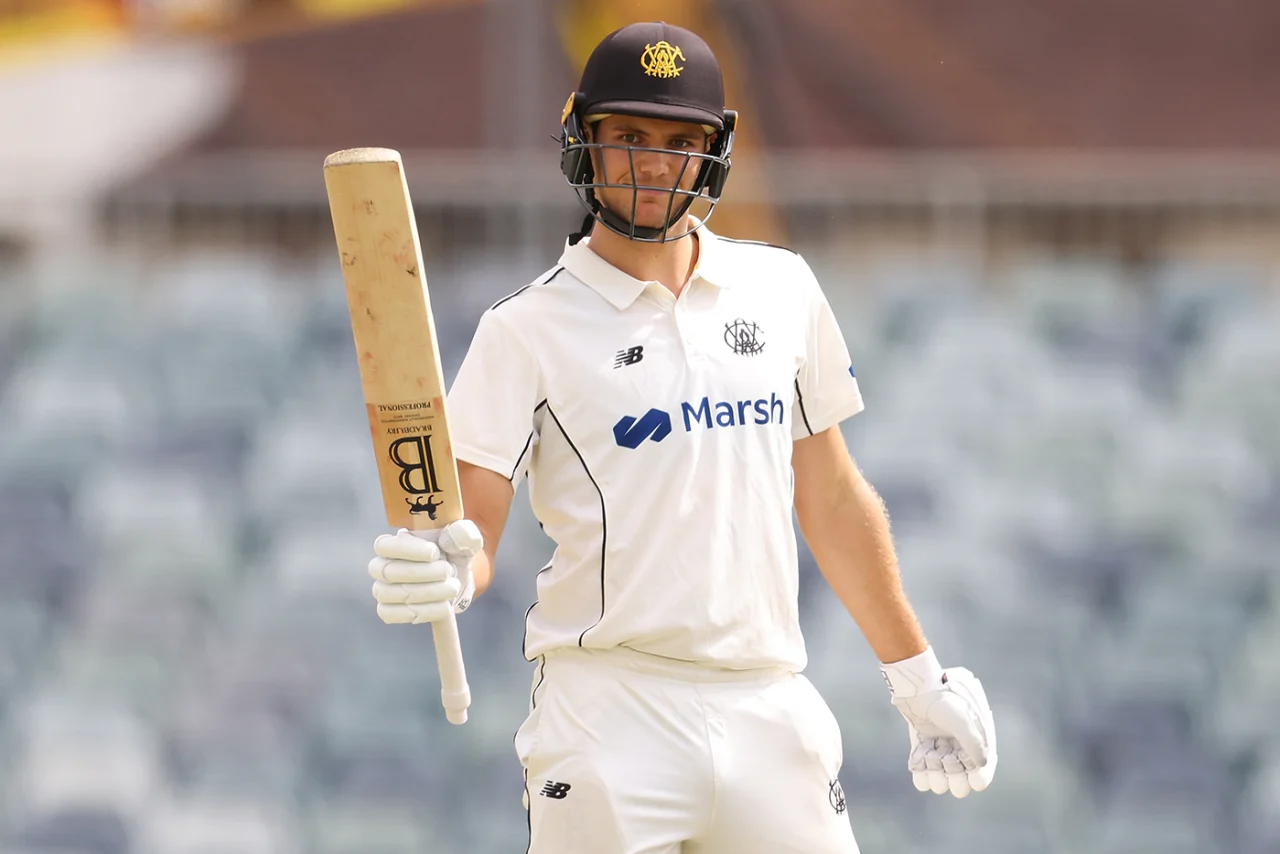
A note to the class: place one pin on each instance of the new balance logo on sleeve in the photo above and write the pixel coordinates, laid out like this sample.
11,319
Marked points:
629,356
558,791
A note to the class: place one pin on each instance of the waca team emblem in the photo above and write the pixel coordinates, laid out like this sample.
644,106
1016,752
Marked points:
659,60
835,796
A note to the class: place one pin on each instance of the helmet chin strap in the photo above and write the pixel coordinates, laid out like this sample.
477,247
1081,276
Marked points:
587,224
621,226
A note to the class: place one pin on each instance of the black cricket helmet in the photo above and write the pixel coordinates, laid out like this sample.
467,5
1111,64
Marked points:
653,70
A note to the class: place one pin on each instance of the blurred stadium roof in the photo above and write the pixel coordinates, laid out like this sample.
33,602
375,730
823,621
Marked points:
925,103
821,73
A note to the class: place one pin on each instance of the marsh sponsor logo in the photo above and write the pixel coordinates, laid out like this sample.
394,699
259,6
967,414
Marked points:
702,414
738,413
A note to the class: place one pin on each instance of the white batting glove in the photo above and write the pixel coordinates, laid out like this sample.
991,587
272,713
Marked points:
424,576
952,731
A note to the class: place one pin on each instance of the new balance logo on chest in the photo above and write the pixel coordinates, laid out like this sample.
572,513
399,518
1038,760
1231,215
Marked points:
629,356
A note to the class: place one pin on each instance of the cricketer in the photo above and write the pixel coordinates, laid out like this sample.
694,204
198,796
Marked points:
672,396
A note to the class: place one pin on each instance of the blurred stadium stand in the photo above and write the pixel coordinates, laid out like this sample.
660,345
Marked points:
1069,344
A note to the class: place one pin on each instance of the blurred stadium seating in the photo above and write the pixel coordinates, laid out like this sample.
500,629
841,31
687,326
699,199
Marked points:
1081,469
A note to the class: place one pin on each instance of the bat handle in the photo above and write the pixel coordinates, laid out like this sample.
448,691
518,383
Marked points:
454,691
455,694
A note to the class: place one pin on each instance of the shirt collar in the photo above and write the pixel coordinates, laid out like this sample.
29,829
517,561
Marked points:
621,289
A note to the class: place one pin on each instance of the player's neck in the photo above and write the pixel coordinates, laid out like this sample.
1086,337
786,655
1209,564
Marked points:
669,264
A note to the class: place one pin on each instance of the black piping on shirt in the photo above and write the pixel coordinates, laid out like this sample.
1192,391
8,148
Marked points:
557,271
803,414
604,523
528,443
756,243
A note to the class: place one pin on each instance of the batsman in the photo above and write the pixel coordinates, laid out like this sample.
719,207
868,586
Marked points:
672,395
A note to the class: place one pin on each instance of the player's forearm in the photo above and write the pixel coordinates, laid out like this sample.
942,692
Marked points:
482,570
848,532
486,495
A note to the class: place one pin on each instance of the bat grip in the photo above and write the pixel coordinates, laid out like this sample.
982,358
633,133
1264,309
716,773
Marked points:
455,694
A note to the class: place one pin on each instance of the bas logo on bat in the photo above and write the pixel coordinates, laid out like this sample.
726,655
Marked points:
656,424
412,455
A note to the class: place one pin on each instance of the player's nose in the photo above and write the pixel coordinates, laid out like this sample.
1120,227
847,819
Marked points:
653,166
648,164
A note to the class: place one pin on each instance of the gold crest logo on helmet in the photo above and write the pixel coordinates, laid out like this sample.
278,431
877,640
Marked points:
659,60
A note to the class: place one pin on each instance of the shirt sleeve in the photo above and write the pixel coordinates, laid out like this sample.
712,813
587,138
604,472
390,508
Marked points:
826,385
494,399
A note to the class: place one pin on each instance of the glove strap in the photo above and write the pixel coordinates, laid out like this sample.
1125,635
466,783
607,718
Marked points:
913,676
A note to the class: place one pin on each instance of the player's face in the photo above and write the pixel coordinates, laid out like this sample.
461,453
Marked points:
668,168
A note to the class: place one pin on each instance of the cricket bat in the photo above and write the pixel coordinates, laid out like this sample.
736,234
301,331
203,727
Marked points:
400,370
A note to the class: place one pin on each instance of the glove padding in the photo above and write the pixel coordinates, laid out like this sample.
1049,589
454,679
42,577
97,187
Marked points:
424,576
952,730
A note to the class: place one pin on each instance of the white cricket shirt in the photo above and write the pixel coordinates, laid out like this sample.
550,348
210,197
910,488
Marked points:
656,433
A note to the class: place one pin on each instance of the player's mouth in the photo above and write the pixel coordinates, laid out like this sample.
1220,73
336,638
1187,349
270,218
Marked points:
652,197
643,190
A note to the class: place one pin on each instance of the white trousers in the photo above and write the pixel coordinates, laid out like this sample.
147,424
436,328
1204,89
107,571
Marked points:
629,754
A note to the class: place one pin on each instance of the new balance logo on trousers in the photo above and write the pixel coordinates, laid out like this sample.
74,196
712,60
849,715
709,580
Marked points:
555,790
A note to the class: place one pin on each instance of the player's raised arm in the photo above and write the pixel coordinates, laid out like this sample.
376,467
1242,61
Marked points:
493,404
419,580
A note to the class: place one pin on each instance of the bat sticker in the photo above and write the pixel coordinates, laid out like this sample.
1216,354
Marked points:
417,505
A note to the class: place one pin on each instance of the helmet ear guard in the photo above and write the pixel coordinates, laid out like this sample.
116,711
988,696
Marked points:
716,172
575,159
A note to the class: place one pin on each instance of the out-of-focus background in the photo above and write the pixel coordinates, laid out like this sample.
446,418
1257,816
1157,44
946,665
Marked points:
1051,234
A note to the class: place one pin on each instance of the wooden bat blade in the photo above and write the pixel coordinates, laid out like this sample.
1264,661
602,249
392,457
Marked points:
395,336
400,370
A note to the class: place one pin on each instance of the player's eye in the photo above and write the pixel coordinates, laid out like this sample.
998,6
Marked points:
628,138
681,143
